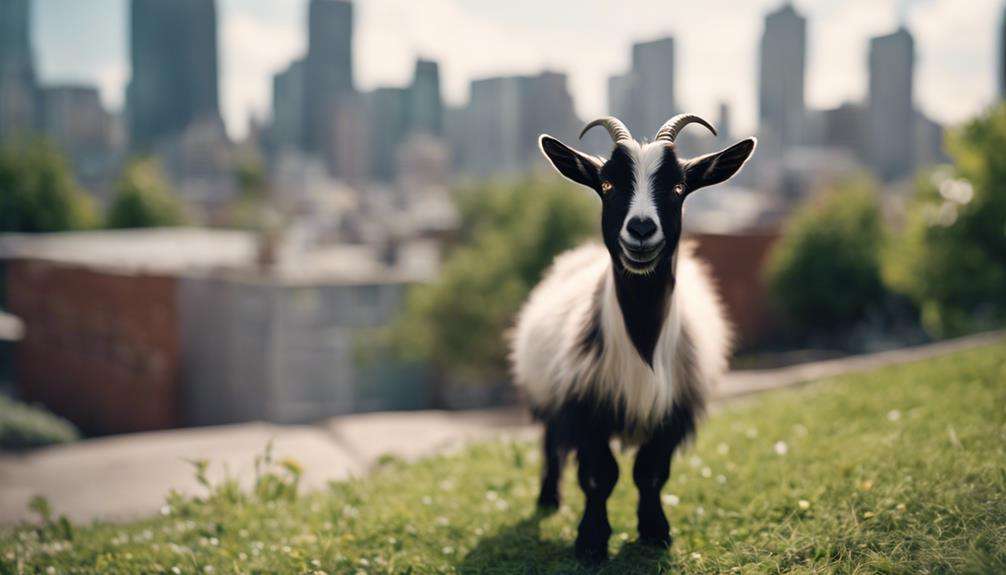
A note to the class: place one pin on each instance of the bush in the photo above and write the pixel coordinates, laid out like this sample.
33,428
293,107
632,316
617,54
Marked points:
23,426
143,199
825,270
950,257
38,193
509,235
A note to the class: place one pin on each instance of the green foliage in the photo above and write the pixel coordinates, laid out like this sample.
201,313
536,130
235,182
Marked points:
23,426
895,471
510,233
950,258
38,193
825,270
143,199
251,210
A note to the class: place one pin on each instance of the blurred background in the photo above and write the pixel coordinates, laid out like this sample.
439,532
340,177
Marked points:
246,210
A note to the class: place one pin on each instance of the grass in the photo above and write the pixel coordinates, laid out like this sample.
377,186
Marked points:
898,471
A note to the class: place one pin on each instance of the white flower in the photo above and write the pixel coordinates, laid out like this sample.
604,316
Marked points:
671,499
781,448
448,550
893,415
803,504
706,472
723,449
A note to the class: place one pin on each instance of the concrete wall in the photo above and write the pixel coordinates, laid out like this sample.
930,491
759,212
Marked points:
288,353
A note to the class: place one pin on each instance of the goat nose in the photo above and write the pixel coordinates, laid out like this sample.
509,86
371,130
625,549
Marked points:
641,229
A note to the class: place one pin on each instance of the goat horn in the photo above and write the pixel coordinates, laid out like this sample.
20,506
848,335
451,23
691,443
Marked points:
616,129
669,131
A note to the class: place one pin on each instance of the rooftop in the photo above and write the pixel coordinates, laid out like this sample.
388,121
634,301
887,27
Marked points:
184,251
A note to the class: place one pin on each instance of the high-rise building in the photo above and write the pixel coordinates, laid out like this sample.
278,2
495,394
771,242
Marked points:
653,84
18,91
890,123
287,132
724,125
643,98
173,47
504,117
619,94
328,69
782,60
389,126
426,108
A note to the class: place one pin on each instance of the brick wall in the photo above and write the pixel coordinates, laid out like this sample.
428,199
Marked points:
737,261
100,348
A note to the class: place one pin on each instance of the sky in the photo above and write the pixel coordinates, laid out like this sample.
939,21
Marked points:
717,47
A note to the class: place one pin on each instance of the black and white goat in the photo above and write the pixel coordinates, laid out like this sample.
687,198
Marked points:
624,340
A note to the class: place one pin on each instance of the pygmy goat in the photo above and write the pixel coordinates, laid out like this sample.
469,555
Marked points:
625,342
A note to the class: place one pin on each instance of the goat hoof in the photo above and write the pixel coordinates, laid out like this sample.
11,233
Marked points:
591,553
548,502
661,541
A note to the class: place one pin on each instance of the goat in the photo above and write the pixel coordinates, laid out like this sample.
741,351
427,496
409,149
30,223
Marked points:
624,340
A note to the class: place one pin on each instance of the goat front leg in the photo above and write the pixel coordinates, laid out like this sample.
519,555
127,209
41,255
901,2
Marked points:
650,472
598,473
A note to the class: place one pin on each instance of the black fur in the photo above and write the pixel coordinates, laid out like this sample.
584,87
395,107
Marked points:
591,341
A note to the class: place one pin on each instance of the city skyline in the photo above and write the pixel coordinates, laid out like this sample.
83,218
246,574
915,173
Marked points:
956,74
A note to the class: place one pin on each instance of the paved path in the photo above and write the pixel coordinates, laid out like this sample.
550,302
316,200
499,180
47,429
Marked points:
127,476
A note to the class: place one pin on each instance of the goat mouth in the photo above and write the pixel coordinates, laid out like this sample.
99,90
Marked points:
641,261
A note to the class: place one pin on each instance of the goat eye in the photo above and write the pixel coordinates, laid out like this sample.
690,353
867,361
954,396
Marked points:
679,189
606,186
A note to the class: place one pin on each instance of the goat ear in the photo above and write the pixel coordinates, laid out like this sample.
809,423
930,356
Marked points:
576,166
719,166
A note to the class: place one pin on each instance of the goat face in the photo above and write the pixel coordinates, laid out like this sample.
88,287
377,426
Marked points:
643,186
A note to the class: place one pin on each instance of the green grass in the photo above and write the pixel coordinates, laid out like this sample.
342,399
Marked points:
902,470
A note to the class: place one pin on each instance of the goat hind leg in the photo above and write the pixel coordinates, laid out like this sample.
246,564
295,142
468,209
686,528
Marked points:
554,457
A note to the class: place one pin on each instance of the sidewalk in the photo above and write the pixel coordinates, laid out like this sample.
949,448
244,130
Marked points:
124,477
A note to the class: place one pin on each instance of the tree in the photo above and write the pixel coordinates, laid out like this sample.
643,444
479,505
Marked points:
509,235
825,270
38,193
950,257
143,199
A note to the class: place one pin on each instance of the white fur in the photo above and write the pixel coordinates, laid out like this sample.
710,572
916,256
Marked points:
643,205
550,367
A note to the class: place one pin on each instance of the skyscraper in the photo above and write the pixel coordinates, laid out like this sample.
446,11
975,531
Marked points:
782,59
890,119
653,84
18,91
287,131
173,46
328,71
643,98
504,117
389,125
426,108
